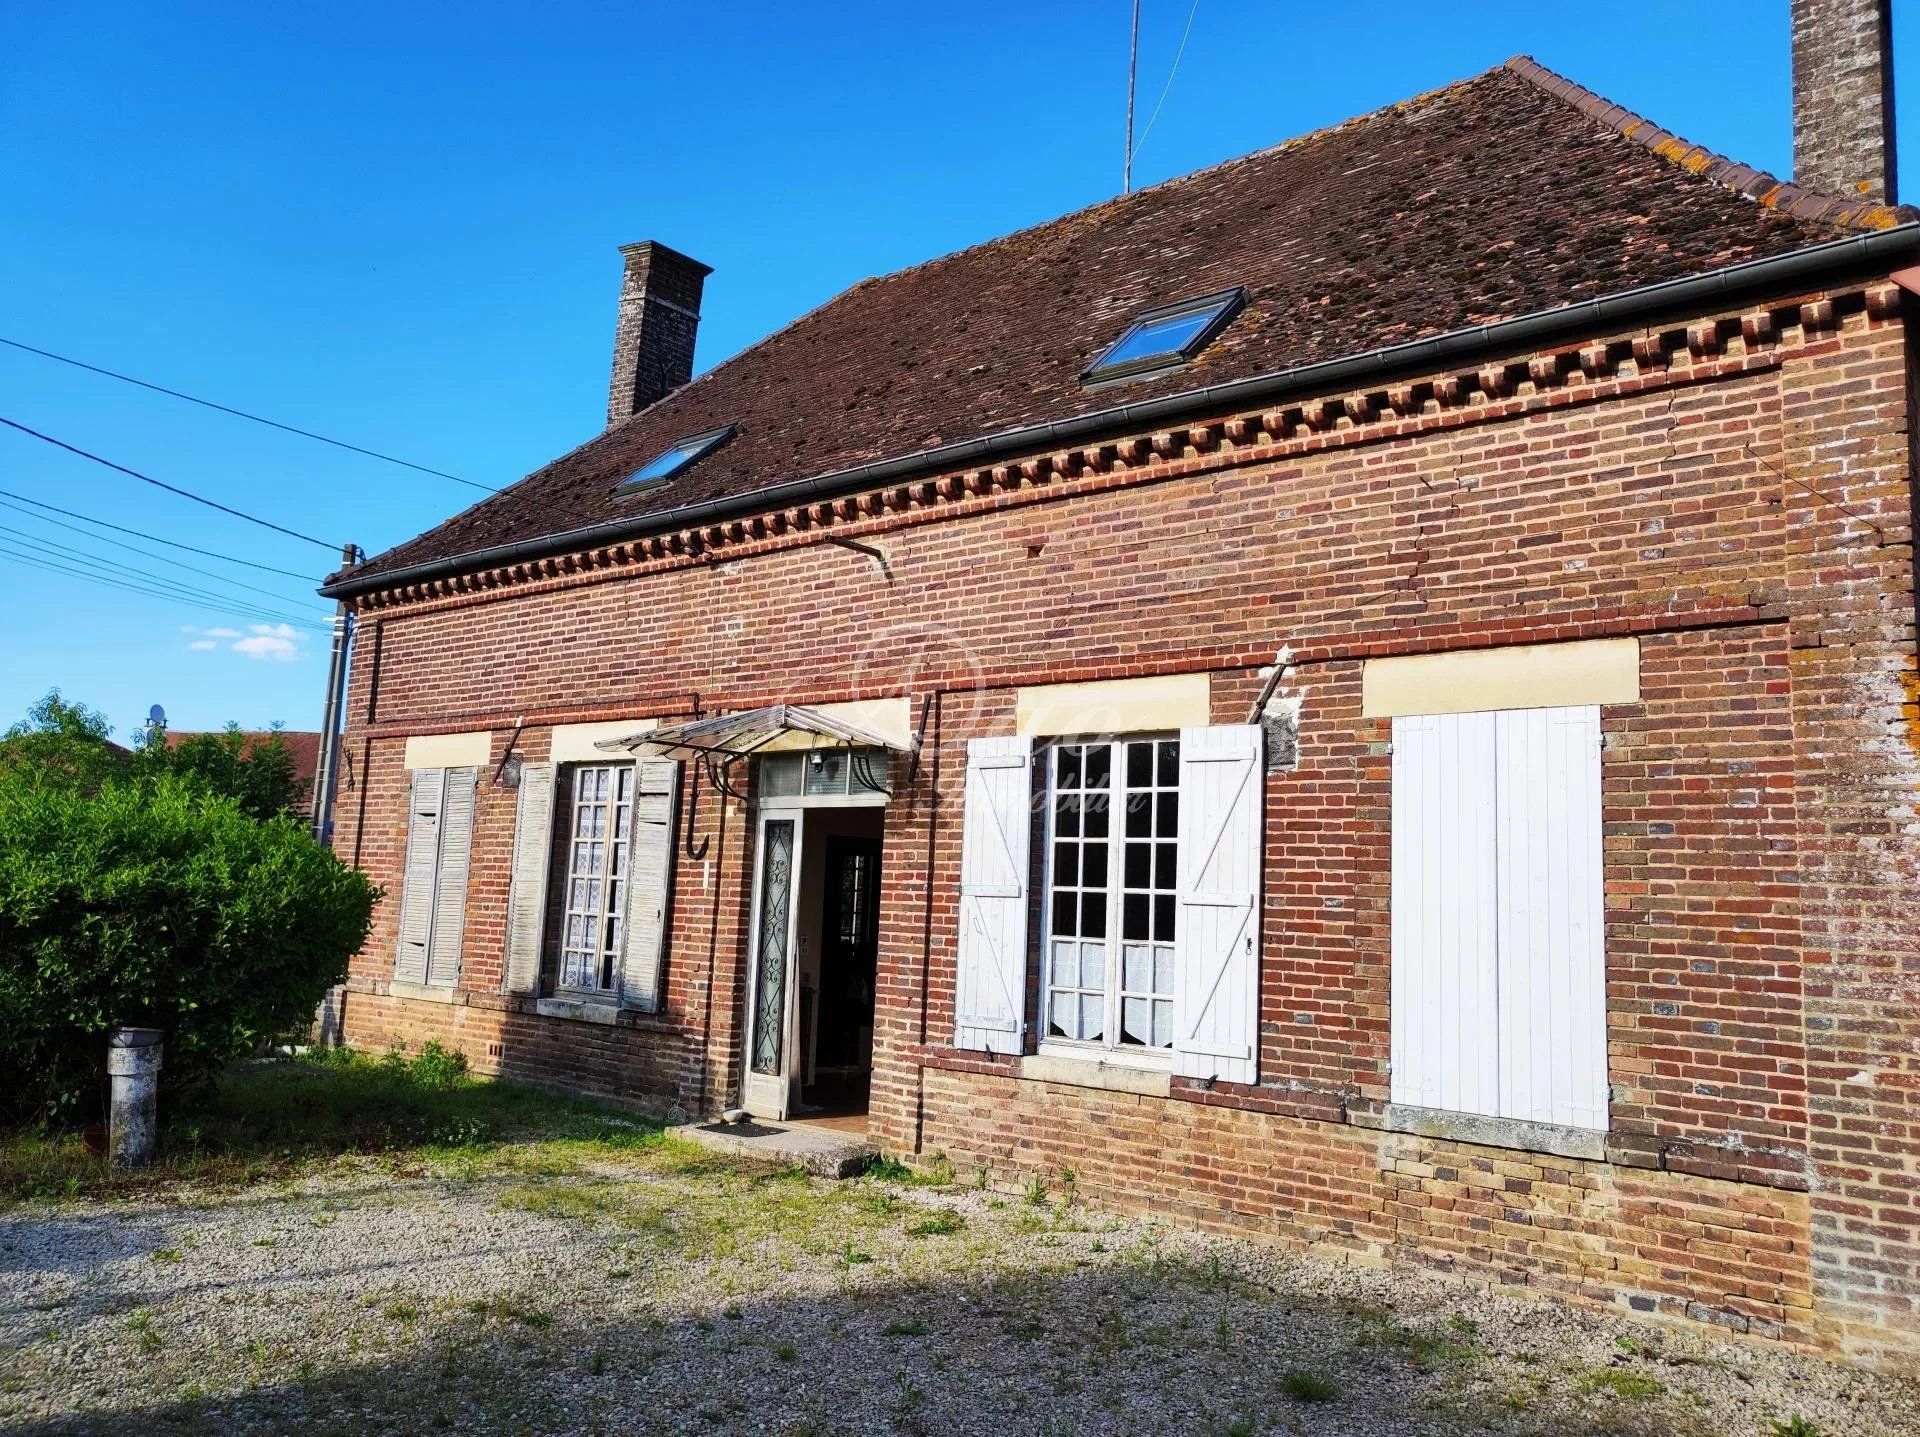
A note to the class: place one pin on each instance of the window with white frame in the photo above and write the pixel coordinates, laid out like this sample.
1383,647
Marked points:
1113,842
599,832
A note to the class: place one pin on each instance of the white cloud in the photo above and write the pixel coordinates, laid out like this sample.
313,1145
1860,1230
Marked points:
269,641
261,641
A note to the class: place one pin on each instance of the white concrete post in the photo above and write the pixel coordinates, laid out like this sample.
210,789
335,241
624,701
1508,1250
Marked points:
133,1065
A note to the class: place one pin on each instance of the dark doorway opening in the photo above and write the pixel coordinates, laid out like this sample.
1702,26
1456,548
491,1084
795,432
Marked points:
839,1065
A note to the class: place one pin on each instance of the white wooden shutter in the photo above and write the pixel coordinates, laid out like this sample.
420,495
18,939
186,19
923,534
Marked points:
1553,988
1444,1018
425,793
990,986
450,883
532,862
1216,962
649,882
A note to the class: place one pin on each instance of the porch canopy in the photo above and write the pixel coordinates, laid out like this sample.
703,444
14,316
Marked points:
778,728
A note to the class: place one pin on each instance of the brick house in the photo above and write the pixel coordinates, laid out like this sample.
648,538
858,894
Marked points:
888,721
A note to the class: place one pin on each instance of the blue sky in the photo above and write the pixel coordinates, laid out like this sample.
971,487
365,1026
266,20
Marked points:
397,223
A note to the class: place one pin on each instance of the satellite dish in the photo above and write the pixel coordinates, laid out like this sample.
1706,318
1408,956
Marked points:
157,716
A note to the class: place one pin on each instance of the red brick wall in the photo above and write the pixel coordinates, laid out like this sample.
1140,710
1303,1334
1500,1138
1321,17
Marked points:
1735,495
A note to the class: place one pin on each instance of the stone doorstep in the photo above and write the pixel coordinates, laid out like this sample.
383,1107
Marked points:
822,1151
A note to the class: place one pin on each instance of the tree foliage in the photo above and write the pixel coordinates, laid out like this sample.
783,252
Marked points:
154,890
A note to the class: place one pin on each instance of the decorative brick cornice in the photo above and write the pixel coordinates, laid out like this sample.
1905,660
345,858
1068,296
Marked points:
1588,372
1756,185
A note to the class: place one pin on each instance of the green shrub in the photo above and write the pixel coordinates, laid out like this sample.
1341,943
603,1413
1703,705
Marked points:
148,899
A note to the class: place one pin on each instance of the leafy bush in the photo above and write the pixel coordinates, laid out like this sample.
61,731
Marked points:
146,898
256,772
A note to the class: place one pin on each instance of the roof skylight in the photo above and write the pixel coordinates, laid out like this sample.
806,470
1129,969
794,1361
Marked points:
1166,337
674,458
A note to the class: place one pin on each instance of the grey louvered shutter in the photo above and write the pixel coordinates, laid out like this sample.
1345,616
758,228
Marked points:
649,882
532,860
450,884
417,885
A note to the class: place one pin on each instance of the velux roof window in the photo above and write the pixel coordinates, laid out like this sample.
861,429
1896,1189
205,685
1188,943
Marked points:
674,458
1167,337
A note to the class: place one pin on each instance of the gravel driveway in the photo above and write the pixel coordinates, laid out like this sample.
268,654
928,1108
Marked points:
544,1289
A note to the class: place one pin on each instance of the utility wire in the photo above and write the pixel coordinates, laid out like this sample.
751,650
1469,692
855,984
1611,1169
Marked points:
1168,88
153,538
53,566
286,609
61,553
147,553
171,489
242,414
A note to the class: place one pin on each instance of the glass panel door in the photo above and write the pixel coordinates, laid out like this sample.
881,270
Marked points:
766,1087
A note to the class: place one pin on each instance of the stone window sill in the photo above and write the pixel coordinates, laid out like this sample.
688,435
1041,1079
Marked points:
1079,1072
578,1010
424,992
1487,1132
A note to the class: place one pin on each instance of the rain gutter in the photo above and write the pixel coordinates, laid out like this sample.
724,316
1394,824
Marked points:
1834,261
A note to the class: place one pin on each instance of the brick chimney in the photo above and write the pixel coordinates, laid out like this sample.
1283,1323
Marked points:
1843,98
659,315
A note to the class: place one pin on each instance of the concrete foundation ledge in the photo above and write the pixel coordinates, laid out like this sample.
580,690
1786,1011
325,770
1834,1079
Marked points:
1091,1073
1485,1131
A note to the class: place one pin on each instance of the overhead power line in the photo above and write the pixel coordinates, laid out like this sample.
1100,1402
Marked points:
243,414
1167,89
51,550
111,581
170,488
217,577
155,538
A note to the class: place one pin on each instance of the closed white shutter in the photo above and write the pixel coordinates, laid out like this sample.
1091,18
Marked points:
532,862
1445,1017
450,883
649,882
1499,967
1553,985
1216,965
990,988
417,884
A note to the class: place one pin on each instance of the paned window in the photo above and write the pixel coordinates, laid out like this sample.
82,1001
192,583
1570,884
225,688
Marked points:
1113,855
597,867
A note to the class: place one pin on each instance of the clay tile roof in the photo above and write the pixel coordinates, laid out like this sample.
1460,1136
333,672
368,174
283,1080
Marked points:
1506,194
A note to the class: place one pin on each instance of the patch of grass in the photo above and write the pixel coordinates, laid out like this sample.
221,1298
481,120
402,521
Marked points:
940,1224
511,1309
166,1254
887,1170
400,1310
141,1325
270,1120
912,1327
1622,1382
785,1351
1794,1426
1304,1386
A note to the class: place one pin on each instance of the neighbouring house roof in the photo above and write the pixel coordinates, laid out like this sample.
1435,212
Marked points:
1504,195
303,747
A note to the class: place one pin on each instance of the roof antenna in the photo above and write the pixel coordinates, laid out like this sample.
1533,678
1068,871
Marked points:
1133,69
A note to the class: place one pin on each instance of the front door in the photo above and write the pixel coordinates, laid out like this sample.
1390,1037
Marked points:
768,1089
